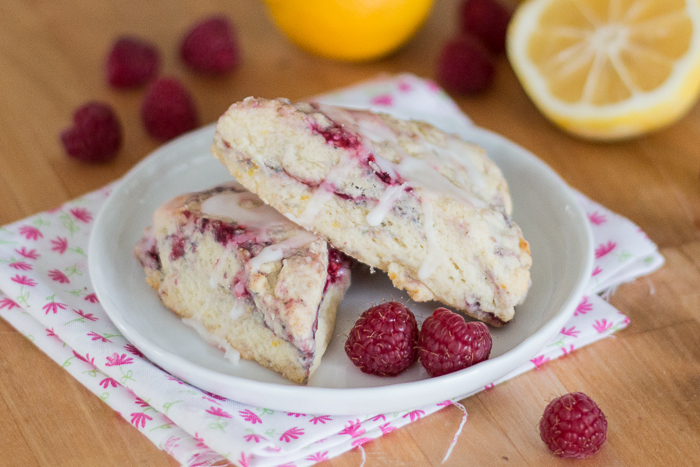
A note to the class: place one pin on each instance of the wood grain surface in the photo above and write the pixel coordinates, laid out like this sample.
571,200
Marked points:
646,378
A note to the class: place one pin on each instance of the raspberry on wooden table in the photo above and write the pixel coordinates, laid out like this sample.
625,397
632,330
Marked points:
96,134
210,46
383,340
168,109
488,20
465,66
448,343
132,62
573,426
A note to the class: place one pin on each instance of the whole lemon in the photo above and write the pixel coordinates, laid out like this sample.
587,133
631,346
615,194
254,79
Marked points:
353,30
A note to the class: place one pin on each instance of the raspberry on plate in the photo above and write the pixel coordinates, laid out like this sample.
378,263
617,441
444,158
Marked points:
573,426
132,62
465,66
210,46
487,20
448,343
383,340
168,109
96,134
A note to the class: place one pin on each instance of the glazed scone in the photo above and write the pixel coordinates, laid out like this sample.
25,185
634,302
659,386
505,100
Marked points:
426,207
245,277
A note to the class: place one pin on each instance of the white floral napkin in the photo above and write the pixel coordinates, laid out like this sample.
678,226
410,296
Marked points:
46,294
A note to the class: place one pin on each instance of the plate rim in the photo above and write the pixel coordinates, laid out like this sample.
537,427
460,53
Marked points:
308,399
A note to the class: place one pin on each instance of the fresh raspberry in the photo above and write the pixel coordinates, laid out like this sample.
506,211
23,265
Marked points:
132,62
96,134
465,66
210,46
487,20
573,426
447,343
168,110
383,340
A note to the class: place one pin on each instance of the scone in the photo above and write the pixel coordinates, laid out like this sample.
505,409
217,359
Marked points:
246,277
426,207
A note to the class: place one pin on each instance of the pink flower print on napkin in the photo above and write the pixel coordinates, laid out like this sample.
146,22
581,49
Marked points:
8,303
86,358
249,416
53,307
139,418
118,360
539,361
29,254
596,271
96,337
432,85
294,414
318,457
91,297
254,437
602,325
243,460
352,428
210,394
381,416
415,414
21,266
359,441
30,232
59,245
604,249
107,382
140,402
23,280
566,351
387,428
58,276
322,419
133,350
219,412
382,99
82,214
292,433
403,86
87,316
200,441
584,307
596,218
572,331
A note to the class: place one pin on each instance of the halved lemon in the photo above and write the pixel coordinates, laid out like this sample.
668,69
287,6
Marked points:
608,69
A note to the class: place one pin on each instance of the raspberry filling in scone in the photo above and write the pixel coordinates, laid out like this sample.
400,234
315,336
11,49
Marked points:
430,209
244,276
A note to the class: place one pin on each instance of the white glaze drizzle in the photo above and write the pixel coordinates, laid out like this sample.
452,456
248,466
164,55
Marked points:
277,251
230,353
238,309
386,203
464,162
435,255
325,191
245,208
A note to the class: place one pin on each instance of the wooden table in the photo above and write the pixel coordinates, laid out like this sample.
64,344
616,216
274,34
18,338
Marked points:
646,378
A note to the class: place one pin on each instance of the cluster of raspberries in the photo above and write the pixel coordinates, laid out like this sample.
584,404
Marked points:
467,61
168,109
385,341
